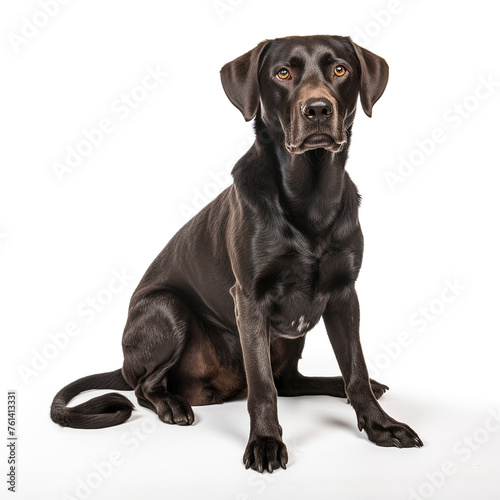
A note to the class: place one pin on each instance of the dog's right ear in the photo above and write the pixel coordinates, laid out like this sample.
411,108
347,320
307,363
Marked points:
240,80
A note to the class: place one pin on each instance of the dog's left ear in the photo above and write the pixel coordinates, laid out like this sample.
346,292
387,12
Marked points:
240,80
374,76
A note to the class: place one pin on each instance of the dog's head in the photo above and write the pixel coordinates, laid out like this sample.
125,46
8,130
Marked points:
306,88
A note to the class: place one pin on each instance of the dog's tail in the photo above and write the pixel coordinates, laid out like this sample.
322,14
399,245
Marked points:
103,411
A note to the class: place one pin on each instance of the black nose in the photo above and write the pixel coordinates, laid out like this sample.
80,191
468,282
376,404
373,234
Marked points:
317,110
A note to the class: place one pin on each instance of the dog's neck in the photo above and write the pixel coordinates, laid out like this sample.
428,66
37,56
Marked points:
311,184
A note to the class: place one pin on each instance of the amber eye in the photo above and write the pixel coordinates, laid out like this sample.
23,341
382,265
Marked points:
283,74
339,70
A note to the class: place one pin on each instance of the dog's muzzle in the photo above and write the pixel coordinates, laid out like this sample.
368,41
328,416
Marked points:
316,125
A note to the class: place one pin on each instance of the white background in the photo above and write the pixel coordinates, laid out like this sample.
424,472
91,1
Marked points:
61,240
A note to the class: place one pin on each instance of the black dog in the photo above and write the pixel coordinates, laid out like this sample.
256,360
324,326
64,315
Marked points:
227,303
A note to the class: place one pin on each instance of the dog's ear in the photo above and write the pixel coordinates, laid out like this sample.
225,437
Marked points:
374,76
240,80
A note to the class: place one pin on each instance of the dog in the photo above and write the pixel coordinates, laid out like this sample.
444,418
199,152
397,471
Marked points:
227,303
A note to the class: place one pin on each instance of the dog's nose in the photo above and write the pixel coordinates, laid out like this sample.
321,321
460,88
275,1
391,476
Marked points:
317,110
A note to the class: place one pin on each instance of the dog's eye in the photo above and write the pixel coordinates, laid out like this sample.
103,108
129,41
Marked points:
283,74
339,70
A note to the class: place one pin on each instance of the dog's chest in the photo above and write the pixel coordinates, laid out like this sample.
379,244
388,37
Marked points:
295,313
300,287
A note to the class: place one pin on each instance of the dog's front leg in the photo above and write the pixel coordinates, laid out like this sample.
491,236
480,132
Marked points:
342,323
265,449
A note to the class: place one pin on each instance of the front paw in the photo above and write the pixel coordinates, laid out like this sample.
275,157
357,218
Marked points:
385,431
265,453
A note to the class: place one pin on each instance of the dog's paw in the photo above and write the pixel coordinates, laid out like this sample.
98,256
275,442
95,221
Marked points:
378,388
385,431
265,453
175,410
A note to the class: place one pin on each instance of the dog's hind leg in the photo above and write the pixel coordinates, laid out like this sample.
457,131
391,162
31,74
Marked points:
153,341
290,382
299,385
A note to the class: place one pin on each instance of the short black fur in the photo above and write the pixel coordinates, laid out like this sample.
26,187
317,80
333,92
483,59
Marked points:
227,303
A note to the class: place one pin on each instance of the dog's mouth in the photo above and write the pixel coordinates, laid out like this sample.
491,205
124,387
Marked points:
317,141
